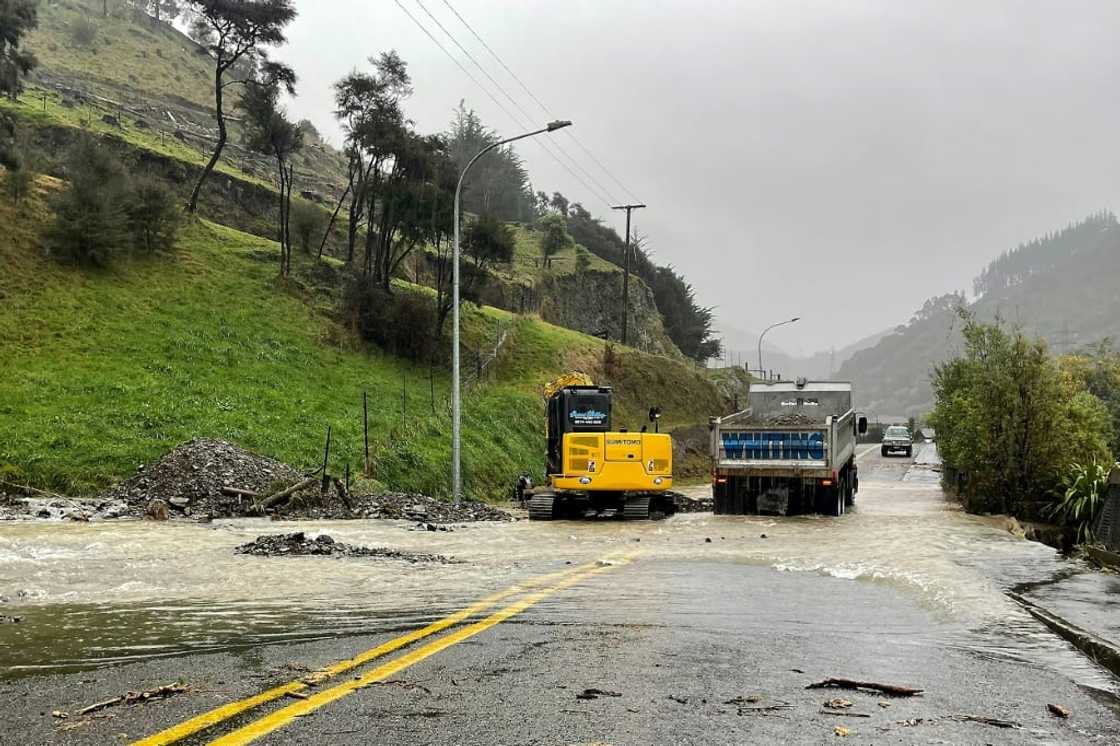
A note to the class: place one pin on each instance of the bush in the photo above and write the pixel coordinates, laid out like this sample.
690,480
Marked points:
1012,422
583,259
83,32
1086,487
401,324
91,215
17,184
153,215
308,224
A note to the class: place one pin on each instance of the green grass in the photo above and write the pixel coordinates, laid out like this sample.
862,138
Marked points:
125,53
36,110
525,268
101,371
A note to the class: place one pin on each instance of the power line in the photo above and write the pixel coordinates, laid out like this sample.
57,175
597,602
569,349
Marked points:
533,96
610,198
495,100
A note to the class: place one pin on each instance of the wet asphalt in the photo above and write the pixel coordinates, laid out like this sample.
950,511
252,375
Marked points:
702,651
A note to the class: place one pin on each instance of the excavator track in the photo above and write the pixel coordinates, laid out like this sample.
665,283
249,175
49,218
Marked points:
542,507
637,508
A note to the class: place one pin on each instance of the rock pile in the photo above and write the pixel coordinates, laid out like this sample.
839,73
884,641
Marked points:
686,504
300,545
398,506
190,480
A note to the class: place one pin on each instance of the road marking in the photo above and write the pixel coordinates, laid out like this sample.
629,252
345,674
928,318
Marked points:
286,715
866,451
225,712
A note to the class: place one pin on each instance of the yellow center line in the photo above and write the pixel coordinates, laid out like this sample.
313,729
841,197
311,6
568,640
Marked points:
225,712
285,715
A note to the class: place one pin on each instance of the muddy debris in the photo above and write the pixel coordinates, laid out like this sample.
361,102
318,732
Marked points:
299,544
596,693
136,698
189,480
1058,711
686,504
399,506
892,690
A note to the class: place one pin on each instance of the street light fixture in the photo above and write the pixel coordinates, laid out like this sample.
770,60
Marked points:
456,396
772,326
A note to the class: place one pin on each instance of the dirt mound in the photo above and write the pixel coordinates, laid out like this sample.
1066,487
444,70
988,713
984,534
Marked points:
300,545
190,480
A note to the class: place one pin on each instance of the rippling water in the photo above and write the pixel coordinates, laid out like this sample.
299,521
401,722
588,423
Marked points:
98,593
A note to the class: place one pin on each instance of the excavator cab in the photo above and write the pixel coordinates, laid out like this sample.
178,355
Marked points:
594,471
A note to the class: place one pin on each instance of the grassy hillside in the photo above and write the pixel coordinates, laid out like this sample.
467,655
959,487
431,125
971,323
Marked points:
1061,288
161,83
101,371
127,53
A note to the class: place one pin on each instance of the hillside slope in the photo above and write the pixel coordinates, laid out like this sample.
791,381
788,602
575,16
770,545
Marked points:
1061,288
102,371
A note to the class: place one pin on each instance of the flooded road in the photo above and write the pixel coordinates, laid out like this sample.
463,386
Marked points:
92,594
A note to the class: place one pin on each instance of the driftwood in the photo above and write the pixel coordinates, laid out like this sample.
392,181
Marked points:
279,497
340,488
995,722
132,698
238,492
889,689
843,714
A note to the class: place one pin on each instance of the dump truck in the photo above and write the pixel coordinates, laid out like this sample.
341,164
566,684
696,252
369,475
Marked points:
791,451
594,471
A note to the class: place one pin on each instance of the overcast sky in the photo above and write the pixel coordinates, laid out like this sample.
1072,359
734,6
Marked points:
841,161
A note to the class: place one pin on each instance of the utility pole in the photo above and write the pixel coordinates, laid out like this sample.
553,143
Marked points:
626,271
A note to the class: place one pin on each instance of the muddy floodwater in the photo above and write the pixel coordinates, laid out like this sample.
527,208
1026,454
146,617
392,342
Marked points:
97,593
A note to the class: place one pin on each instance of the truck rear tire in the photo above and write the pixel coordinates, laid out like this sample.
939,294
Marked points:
830,501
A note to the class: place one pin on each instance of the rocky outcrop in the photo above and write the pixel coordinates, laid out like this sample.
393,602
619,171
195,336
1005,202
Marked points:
589,302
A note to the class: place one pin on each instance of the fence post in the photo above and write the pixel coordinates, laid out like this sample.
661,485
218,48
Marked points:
365,432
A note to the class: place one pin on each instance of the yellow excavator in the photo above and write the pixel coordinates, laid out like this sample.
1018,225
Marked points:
594,471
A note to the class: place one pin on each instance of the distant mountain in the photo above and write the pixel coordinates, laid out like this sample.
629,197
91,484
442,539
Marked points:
1062,287
742,345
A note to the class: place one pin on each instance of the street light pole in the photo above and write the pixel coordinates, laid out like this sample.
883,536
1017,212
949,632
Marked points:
456,393
772,326
626,271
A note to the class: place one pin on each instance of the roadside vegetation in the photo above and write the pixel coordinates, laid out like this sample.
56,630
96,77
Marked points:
103,369
131,325
1023,432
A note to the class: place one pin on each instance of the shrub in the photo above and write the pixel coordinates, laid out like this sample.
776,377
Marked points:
83,32
400,323
153,214
91,215
17,184
583,259
1012,422
1086,487
308,224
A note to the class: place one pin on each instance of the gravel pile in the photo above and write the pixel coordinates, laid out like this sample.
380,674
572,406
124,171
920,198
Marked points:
686,504
397,506
189,480
301,545
782,420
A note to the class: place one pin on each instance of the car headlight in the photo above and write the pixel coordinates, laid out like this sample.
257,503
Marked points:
658,480
585,480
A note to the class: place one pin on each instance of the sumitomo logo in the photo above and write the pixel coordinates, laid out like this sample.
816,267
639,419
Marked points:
777,446
622,442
